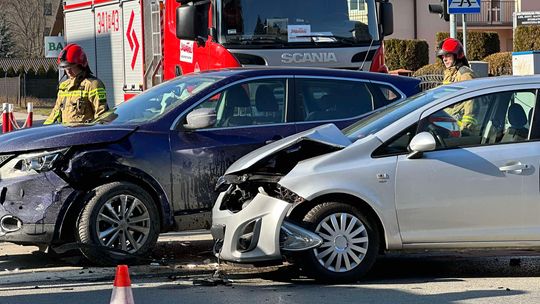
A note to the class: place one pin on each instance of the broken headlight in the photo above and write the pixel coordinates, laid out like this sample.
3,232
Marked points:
31,163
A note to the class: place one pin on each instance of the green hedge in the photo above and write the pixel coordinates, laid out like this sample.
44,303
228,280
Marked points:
499,63
479,44
527,38
436,68
406,54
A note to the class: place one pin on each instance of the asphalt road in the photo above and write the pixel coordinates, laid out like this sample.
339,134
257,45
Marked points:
180,261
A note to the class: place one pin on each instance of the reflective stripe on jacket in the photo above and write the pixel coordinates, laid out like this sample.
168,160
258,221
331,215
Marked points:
464,112
81,99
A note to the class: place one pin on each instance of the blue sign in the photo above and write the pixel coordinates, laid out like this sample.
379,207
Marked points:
464,6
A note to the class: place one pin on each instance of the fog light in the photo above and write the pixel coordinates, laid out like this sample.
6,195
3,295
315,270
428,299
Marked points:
250,236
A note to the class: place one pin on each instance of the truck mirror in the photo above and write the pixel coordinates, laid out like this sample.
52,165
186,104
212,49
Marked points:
186,22
386,15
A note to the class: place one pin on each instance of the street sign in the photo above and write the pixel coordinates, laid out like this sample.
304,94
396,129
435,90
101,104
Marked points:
53,46
464,6
527,18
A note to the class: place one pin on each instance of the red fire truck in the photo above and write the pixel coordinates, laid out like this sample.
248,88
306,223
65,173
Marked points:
133,45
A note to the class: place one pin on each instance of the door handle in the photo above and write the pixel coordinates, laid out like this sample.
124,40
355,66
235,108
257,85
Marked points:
275,138
514,166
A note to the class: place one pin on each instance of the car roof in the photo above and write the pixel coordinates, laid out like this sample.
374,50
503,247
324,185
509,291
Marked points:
489,82
307,71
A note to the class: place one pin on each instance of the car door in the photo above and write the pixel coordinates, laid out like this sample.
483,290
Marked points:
481,183
249,114
338,100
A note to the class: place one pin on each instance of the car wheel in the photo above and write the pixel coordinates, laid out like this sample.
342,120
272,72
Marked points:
119,224
350,243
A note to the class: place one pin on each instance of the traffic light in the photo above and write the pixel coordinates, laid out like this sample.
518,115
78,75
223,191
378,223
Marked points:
441,9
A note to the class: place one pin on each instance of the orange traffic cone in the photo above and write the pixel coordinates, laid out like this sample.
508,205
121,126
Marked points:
122,287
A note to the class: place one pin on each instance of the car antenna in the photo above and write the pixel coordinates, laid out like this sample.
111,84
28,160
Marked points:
367,53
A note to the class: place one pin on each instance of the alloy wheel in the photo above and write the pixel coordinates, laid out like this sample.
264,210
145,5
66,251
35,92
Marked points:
345,242
123,223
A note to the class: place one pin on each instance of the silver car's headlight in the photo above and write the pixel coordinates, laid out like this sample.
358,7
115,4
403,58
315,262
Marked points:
31,163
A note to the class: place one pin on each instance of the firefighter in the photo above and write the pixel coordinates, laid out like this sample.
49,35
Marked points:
457,69
82,97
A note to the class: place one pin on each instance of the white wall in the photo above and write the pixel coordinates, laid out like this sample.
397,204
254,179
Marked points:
527,5
427,24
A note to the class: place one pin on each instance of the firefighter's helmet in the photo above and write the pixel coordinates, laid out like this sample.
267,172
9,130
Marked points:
72,54
451,46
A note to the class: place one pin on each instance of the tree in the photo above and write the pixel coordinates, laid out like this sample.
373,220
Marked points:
26,20
6,39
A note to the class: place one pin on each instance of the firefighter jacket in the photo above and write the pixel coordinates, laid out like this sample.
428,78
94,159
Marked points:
80,99
464,112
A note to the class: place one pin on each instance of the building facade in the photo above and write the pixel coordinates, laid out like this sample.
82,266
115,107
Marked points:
415,22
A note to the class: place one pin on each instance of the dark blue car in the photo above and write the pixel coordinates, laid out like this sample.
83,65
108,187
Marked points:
149,165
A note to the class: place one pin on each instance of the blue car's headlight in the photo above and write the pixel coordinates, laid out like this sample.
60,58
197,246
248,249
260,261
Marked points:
31,163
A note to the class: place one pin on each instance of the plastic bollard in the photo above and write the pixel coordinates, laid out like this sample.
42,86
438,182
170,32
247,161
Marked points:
10,118
5,121
30,117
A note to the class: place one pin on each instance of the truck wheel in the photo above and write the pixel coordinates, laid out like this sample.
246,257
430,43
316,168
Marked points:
350,243
119,224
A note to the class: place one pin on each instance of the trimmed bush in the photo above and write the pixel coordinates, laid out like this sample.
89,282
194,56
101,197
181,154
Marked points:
19,72
479,44
31,74
527,38
51,73
11,72
41,72
406,54
499,63
436,68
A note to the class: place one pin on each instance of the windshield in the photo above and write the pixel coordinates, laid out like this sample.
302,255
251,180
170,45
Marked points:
388,115
158,100
297,22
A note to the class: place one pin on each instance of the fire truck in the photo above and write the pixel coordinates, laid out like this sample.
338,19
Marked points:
133,45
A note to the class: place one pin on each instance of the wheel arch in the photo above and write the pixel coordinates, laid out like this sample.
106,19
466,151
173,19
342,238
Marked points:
92,180
298,211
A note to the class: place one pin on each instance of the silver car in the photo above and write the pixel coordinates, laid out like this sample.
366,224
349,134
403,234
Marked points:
410,176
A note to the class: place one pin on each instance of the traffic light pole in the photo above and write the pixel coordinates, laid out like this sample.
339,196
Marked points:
453,26
464,33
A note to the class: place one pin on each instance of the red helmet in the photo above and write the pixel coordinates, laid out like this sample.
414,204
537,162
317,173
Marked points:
72,54
451,46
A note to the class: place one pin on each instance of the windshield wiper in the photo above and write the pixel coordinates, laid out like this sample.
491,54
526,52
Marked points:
256,40
339,39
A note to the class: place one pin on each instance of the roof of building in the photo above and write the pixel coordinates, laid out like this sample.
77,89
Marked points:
28,63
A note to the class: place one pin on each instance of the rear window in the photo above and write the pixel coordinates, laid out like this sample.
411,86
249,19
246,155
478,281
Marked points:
331,99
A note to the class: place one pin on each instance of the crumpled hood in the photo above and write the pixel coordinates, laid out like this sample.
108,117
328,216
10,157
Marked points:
327,134
59,136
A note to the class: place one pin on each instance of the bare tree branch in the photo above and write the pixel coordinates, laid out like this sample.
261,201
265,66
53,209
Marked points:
27,22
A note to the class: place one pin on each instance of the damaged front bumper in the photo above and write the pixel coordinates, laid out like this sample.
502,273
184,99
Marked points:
30,206
259,232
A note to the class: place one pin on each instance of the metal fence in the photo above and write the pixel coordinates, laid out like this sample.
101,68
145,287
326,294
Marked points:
430,81
16,90
494,12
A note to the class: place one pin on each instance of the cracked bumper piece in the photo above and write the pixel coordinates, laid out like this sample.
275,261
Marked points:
29,207
251,234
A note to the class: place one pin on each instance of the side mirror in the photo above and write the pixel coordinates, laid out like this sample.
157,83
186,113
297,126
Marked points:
386,16
185,22
421,142
192,22
200,119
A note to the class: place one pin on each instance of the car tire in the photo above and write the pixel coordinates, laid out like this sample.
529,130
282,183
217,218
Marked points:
106,236
354,242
